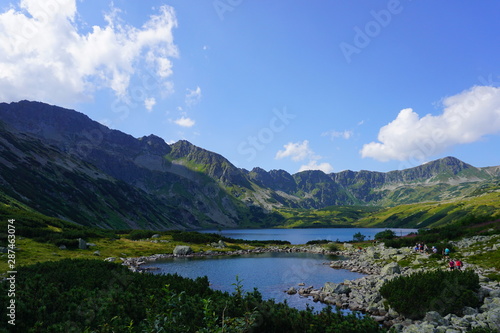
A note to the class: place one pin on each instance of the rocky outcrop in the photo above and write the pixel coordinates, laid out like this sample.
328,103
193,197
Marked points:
381,265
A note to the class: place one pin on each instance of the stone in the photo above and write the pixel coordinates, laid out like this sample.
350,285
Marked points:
329,287
291,291
469,311
91,244
155,236
391,268
222,244
63,247
110,259
342,289
82,245
493,319
97,253
182,250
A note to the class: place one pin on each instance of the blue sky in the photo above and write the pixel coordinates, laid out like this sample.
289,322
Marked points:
293,85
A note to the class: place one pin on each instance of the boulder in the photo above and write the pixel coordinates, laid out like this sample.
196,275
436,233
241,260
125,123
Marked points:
155,236
182,250
342,289
97,253
391,268
82,244
435,318
110,259
62,247
493,319
291,291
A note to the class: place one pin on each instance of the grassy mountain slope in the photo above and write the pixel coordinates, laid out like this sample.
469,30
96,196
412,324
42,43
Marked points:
482,208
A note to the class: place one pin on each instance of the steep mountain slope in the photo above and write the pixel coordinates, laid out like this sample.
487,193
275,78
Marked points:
184,197
63,164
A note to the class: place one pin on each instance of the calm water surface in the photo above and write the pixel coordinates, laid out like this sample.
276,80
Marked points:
270,273
302,236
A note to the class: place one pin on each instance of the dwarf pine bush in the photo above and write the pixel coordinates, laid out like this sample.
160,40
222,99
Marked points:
442,291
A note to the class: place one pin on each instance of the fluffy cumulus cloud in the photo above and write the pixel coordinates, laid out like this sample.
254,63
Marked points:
296,151
43,56
313,165
185,122
300,151
467,117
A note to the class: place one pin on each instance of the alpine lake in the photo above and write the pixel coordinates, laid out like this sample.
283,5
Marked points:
272,273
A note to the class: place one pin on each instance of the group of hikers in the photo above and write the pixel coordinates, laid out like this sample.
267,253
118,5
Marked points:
452,263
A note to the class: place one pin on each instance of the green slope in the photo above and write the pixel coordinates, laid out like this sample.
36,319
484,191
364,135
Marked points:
485,207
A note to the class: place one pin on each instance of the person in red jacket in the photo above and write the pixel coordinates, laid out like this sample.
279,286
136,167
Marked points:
458,264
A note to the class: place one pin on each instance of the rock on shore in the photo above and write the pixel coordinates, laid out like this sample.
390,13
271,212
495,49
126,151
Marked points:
381,265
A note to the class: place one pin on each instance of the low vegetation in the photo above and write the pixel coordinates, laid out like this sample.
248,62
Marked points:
441,291
90,295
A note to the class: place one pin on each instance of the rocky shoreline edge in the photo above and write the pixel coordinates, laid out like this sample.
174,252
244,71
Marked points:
380,264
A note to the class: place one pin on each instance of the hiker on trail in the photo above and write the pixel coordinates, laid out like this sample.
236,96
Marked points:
426,248
446,252
458,264
434,249
451,264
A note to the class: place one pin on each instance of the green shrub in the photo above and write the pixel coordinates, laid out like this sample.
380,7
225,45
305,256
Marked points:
442,291
96,296
140,234
386,234
318,241
332,247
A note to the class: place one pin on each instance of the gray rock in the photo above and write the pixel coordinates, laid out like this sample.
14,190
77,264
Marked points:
469,311
110,259
155,236
62,247
82,245
329,287
495,293
391,268
493,319
342,289
97,253
291,291
181,250
435,318
91,244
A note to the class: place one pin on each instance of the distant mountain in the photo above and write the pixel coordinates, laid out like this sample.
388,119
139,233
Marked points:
63,164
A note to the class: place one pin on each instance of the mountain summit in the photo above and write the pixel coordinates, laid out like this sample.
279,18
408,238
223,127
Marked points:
63,164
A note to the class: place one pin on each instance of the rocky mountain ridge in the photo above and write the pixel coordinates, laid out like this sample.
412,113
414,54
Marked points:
187,186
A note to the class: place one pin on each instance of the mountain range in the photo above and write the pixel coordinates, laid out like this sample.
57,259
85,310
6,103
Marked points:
61,163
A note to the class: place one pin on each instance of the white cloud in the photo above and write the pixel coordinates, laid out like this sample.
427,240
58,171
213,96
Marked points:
467,117
300,151
296,151
193,97
149,103
313,165
43,56
185,122
346,134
